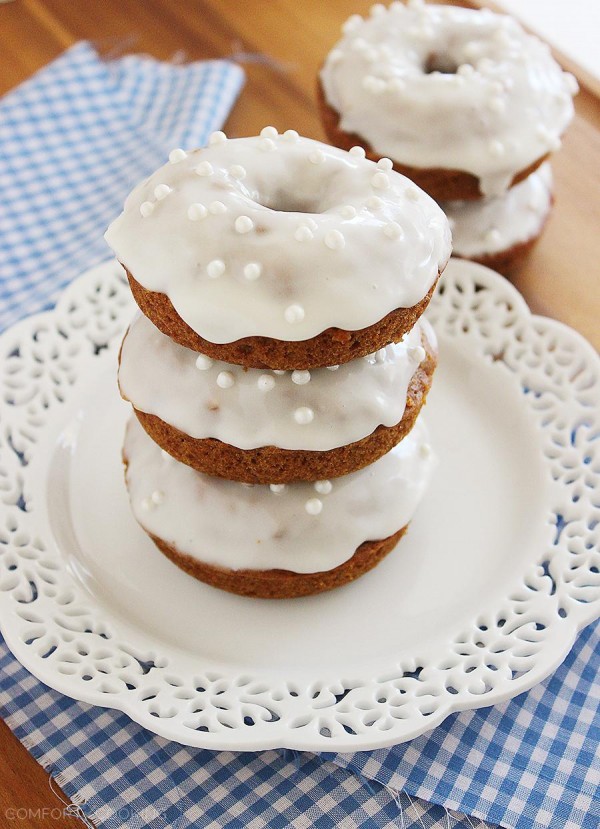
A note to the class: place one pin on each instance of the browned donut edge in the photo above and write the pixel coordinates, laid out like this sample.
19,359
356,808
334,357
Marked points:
331,347
505,261
272,465
441,184
282,584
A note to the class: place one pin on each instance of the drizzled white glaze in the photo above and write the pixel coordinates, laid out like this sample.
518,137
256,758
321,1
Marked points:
318,243
501,103
161,378
496,224
236,526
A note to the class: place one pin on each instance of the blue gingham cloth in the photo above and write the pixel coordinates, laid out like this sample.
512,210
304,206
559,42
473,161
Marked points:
73,141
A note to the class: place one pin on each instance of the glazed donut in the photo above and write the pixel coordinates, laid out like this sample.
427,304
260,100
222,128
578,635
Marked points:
497,232
266,427
250,539
278,251
464,101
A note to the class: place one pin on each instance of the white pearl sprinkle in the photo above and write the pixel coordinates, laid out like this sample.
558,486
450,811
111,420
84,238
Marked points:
205,168
357,152
313,506
267,144
146,209
380,355
465,70
161,191
146,504
374,203
252,271
300,378
244,224
279,371
265,382
196,211
352,23
571,83
177,155
323,487
268,132
493,236
380,181
291,135
332,368
375,85
416,352
216,207
303,234
216,268
385,163
412,193
203,362
225,380
334,240
158,496
393,230
309,222
348,211
497,105
496,148
397,84
237,171
359,44
335,56
425,450
316,156
304,415
277,488
377,10
217,137
294,313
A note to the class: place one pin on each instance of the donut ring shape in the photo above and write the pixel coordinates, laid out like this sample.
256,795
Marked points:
280,237
449,89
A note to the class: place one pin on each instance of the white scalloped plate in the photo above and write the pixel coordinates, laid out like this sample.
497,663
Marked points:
482,599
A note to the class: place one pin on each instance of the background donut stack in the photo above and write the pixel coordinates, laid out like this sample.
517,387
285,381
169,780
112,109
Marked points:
280,364
466,104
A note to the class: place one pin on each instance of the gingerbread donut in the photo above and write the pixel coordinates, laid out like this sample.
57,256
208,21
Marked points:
464,101
280,252
275,427
498,231
275,542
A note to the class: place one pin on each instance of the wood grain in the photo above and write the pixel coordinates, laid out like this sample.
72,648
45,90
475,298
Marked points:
281,45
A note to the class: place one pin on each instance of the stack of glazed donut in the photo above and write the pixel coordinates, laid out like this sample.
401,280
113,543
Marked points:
280,361
467,105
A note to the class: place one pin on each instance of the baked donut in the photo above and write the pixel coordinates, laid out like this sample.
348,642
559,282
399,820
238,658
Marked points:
280,252
274,427
292,541
498,231
464,101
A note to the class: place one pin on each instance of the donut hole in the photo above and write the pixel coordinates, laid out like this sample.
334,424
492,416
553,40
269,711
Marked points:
440,62
288,201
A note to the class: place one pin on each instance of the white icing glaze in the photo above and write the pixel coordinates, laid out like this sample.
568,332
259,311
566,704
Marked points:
254,407
496,224
501,103
290,218
238,526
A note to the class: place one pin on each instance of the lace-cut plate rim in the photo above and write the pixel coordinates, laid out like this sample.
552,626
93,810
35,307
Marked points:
482,599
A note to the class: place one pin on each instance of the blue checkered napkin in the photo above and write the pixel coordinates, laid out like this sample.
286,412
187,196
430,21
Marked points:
74,139
532,763
120,775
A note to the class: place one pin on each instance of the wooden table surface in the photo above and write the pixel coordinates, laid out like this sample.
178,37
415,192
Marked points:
281,45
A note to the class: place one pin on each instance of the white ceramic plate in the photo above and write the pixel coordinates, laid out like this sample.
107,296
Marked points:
482,599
